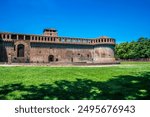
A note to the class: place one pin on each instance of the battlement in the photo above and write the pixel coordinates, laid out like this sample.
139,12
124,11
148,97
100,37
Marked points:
53,38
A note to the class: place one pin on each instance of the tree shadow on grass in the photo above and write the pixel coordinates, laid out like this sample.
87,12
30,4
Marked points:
121,87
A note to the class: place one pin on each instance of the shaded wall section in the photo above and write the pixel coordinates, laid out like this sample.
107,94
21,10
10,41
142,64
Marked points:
3,52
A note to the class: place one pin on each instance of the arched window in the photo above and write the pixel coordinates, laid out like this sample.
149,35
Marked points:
51,58
20,50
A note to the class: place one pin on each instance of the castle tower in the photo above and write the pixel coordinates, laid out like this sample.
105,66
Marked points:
50,32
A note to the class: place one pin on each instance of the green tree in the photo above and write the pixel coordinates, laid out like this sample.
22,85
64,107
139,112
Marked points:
133,50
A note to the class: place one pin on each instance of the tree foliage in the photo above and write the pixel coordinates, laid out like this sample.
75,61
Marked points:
133,50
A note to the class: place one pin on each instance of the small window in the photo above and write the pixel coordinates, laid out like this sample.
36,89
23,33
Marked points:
13,36
7,36
21,37
32,38
56,59
27,37
4,36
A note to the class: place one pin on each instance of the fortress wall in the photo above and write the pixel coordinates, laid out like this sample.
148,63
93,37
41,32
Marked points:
49,48
104,54
63,53
40,52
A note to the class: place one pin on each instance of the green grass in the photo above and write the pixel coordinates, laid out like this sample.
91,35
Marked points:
129,80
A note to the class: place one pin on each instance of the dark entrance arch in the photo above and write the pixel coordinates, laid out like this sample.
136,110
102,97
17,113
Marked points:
20,50
51,58
72,59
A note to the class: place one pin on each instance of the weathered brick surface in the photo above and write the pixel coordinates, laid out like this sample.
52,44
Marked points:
50,48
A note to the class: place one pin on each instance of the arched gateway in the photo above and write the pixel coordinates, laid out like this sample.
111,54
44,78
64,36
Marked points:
51,58
20,50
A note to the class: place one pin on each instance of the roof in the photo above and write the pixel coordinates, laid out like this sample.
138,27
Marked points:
49,29
104,37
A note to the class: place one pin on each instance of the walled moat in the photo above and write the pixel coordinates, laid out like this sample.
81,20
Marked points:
50,48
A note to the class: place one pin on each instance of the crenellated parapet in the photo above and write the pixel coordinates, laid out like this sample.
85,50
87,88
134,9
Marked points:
55,39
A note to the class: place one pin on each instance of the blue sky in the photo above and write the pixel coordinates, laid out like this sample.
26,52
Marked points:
124,20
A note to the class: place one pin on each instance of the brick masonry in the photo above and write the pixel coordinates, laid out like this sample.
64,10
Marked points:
50,48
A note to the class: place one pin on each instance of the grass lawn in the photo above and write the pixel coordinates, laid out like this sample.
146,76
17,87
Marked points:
129,80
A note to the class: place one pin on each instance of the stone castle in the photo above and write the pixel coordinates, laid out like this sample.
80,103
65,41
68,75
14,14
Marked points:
50,48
